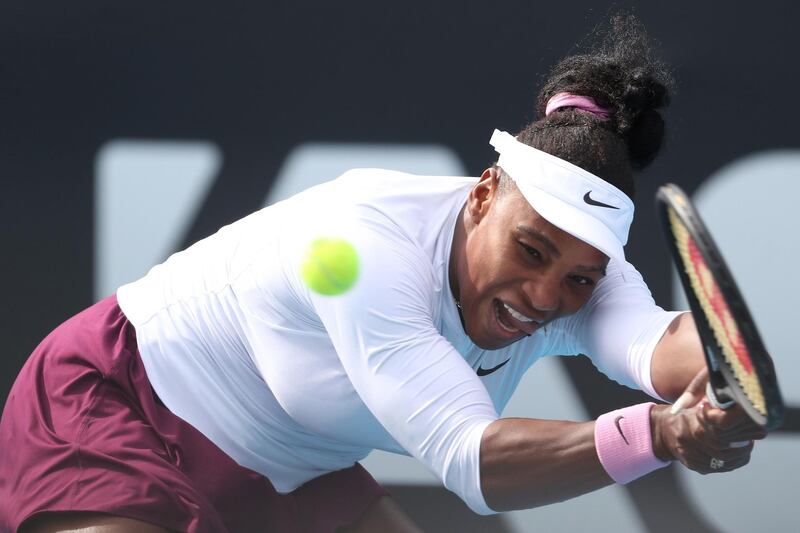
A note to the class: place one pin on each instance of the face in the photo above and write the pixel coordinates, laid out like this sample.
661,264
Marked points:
513,270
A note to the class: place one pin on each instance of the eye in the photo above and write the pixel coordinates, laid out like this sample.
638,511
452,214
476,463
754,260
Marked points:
583,280
531,250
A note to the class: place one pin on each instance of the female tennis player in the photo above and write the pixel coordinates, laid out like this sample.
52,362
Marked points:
220,393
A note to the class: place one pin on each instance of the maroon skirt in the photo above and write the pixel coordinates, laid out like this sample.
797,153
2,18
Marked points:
82,430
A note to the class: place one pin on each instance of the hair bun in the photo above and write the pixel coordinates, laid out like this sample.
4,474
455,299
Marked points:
619,72
644,92
638,121
644,138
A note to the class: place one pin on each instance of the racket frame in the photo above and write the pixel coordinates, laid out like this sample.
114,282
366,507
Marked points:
723,386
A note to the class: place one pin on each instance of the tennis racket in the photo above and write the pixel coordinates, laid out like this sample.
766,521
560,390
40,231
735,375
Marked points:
739,368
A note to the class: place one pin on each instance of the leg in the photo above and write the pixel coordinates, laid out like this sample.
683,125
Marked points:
83,425
383,515
64,522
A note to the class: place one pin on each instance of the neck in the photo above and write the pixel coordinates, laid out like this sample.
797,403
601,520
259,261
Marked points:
456,256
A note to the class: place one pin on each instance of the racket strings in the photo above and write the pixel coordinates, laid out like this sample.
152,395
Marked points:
717,313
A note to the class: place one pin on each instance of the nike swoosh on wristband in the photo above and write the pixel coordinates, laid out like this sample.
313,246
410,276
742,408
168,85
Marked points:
591,201
486,371
619,428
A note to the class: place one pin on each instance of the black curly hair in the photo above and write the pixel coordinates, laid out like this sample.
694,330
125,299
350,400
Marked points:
619,72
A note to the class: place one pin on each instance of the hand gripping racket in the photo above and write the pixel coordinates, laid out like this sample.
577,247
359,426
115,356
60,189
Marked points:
739,368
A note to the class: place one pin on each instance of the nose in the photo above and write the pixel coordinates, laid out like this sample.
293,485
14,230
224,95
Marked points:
543,292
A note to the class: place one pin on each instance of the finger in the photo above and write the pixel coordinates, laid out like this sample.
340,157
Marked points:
734,453
694,460
745,432
703,463
714,437
734,458
681,403
738,463
716,462
693,393
729,465
724,418
696,445
743,435
699,439
712,441
712,447
730,426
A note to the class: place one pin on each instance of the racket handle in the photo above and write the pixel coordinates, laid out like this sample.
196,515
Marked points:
712,397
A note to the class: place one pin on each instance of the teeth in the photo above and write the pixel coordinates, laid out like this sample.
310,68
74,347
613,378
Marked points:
503,325
516,314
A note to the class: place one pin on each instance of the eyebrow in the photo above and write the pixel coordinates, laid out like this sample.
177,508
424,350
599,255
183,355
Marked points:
547,243
583,268
539,236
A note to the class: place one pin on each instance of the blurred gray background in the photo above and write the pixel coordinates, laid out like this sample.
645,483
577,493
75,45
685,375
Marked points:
130,130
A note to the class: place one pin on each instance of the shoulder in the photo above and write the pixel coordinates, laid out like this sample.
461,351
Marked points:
621,284
398,206
620,294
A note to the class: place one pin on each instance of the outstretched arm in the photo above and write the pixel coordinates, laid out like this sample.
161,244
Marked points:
527,463
677,358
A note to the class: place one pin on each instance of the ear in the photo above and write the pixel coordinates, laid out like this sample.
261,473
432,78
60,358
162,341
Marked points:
483,194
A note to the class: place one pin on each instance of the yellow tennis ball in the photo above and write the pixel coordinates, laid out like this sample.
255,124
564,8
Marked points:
330,266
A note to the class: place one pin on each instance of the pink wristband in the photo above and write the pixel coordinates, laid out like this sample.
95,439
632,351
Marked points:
624,443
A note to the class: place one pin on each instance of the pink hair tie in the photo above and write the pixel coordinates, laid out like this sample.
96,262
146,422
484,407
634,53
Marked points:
584,103
624,444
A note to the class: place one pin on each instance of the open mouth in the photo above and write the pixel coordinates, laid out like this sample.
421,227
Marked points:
511,321
516,314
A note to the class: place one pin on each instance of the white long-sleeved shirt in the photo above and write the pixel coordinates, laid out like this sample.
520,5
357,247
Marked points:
293,384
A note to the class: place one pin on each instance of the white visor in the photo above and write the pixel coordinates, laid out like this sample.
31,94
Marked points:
567,196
